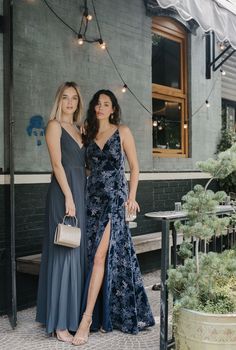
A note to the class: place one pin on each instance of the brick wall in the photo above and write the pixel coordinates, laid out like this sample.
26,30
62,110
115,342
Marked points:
30,206
30,210
158,196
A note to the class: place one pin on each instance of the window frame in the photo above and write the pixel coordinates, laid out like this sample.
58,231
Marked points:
172,30
225,122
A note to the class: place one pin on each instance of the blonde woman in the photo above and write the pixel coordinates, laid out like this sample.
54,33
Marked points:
62,271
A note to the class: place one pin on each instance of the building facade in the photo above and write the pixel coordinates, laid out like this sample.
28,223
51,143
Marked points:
155,52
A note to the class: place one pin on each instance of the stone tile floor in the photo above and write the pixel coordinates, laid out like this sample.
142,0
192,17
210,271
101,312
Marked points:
29,335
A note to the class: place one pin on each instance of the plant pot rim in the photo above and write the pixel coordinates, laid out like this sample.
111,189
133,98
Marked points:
208,313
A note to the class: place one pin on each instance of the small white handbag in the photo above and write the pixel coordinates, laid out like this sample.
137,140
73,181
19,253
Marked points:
68,235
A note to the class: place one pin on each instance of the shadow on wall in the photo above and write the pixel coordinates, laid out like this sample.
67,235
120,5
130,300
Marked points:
36,128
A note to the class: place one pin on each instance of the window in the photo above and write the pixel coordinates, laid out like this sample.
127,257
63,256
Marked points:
228,115
169,88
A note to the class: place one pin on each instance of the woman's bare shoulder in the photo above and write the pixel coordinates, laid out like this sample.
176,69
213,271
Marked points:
54,122
123,129
53,126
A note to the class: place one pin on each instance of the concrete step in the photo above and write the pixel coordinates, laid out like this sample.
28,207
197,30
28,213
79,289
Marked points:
29,264
151,241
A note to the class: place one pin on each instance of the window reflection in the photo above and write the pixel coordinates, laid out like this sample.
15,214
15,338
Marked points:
165,61
228,115
166,124
169,88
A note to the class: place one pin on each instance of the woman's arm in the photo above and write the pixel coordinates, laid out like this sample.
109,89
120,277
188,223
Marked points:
129,148
53,137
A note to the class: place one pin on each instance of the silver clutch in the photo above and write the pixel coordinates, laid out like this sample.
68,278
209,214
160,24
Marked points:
68,235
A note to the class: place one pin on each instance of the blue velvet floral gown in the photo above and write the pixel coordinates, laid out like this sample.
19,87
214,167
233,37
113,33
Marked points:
122,303
63,270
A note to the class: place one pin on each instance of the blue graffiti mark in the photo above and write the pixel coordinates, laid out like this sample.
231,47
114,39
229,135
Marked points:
36,128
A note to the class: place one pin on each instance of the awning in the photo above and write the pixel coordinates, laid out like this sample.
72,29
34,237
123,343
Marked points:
216,15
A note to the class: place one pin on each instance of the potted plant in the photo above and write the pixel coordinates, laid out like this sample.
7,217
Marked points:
204,286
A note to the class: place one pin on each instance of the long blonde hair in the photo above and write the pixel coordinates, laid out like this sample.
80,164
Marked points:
56,109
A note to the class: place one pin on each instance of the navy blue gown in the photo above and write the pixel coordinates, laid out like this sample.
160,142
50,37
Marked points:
122,303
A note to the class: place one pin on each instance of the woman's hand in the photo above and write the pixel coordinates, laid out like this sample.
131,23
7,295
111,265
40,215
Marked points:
82,129
70,206
132,206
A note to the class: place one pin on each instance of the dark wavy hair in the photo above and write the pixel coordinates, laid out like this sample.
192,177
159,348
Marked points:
91,123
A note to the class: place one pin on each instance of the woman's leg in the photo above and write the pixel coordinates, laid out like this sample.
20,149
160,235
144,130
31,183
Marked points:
97,275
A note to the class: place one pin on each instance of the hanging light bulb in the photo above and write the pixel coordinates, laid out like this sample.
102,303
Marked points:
87,15
223,72
207,103
222,46
124,88
102,44
185,125
80,39
154,123
160,127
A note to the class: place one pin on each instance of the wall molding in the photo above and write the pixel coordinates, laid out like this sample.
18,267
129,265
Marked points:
173,176
46,178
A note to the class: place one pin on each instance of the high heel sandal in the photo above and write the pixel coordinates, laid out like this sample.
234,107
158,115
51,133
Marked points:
102,330
83,340
67,339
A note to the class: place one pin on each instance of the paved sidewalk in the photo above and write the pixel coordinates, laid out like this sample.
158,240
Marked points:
29,335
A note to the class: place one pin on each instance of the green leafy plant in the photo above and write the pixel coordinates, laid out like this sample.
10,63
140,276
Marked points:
228,138
206,281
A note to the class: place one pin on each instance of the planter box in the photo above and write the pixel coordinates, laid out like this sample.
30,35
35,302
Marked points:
202,331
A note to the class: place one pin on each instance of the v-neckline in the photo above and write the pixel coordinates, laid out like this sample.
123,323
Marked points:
80,146
109,138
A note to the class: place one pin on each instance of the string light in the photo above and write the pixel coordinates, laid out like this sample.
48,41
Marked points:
185,125
102,44
124,88
222,46
87,15
80,39
209,94
223,72
154,123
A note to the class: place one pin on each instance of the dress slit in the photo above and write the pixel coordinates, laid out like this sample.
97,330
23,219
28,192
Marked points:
109,222
101,305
